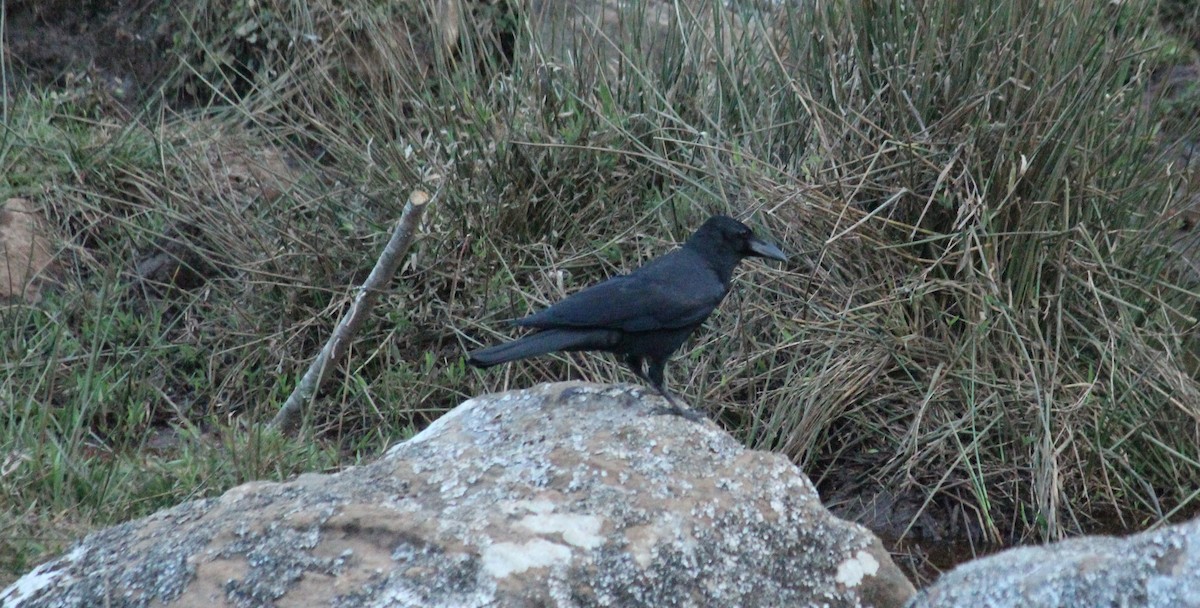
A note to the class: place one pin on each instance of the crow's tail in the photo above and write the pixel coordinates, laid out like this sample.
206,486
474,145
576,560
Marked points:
542,342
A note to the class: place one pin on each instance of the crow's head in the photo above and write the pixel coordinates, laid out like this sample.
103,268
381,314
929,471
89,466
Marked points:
724,236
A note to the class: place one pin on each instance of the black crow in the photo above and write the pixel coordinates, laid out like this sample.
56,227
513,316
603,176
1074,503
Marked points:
646,315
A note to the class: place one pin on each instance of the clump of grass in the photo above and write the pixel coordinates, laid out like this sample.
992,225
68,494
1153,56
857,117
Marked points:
1038,299
990,274
981,189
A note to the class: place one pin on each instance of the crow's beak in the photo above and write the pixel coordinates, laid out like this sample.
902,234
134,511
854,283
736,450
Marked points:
764,249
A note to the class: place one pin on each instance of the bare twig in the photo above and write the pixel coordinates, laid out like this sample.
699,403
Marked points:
290,413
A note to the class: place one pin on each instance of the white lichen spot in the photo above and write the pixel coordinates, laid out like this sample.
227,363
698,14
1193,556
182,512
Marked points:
526,506
503,559
40,578
581,531
642,541
540,506
777,505
451,489
852,571
438,425
728,484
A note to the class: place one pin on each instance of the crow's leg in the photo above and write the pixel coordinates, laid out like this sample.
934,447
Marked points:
635,363
655,375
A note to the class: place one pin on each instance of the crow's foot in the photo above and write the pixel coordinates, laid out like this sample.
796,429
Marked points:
676,410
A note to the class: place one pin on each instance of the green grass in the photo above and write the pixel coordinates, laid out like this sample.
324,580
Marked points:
86,443
983,309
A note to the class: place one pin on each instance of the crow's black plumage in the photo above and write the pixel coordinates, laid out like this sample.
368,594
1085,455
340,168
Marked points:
646,315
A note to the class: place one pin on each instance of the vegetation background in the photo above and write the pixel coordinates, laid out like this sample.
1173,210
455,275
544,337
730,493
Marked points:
987,333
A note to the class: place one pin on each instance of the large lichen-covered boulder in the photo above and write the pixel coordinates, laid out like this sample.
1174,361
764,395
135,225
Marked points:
562,495
1156,569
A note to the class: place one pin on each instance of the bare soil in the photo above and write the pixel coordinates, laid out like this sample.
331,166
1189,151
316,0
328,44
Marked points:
115,48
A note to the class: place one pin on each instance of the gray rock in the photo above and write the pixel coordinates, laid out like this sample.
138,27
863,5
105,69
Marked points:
563,495
1160,568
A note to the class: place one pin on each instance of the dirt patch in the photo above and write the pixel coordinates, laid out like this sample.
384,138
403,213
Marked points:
25,257
117,48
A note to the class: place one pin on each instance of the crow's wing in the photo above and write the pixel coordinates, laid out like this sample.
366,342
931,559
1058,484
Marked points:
672,292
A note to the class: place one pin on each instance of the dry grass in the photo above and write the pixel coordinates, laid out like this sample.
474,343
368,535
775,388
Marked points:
981,315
